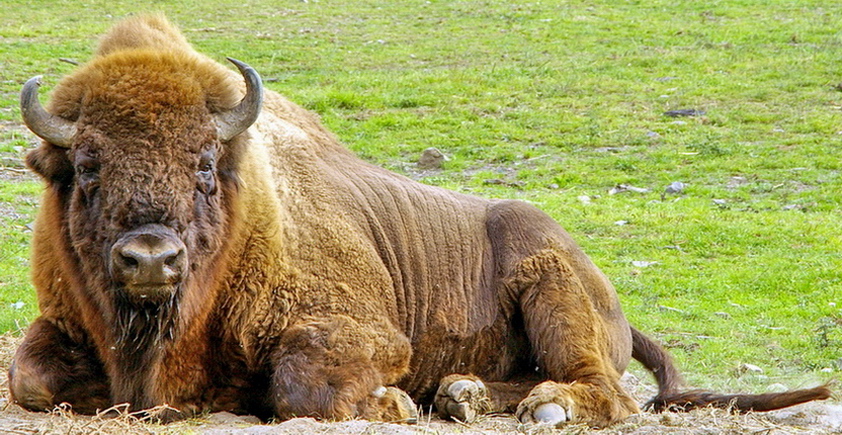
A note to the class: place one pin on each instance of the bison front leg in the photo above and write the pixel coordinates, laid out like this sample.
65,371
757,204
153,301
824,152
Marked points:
49,368
337,368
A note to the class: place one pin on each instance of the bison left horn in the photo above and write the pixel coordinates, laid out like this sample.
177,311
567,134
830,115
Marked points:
53,129
238,119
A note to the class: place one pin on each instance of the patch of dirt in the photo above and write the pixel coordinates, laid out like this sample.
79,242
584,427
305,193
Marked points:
12,166
820,418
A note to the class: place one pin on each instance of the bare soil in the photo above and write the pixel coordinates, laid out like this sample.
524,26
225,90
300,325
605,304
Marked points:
814,418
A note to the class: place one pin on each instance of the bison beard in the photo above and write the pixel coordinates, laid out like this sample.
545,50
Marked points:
202,248
141,330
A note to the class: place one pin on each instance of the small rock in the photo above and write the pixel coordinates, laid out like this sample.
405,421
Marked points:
722,314
620,188
621,223
652,134
672,309
552,186
584,199
610,149
736,181
675,187
432,158
637,263
749,368
684,112
229,418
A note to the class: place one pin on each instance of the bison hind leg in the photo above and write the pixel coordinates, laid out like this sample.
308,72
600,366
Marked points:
575,342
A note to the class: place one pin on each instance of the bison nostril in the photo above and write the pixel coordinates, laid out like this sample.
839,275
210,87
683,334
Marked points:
172,259
128,261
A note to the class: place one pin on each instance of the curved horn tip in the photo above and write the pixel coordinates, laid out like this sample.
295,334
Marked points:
246,70
238,119
240,64
53,129
30,91
34,80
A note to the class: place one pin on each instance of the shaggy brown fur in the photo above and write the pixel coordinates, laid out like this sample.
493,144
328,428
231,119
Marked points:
312,279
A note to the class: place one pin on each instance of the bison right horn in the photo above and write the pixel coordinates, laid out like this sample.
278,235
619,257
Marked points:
238,119
53,129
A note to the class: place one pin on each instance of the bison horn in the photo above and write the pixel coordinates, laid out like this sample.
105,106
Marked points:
238,119
53,129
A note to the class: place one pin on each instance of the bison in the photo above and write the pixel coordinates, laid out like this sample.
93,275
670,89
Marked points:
211,246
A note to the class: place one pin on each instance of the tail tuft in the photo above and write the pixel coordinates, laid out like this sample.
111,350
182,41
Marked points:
688,400
669,398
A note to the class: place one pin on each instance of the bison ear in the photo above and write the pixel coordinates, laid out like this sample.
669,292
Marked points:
51,163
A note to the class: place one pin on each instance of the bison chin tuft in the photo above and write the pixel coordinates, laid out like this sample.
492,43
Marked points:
146,296
149,264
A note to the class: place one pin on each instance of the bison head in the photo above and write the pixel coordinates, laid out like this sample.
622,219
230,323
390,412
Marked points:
142,150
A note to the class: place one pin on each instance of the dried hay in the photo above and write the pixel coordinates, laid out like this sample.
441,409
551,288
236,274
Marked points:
816,418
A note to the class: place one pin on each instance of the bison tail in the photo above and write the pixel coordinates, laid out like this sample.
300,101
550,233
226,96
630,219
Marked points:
688,400
669,398
657,361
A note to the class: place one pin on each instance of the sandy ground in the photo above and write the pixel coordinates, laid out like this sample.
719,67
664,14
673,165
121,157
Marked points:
824,418
814,418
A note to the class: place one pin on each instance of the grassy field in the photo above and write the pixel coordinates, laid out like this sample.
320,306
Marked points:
555,103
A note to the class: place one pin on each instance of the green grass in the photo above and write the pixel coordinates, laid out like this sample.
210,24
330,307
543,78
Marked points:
558,100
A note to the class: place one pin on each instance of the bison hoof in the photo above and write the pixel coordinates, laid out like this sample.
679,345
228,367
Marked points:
462,398
550,413
395,406
543,413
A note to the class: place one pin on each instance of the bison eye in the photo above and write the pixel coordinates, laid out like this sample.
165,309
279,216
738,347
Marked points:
87,166
206,162
84,170
87,173
205,182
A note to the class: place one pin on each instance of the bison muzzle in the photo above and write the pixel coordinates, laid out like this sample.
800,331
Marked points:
149,262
